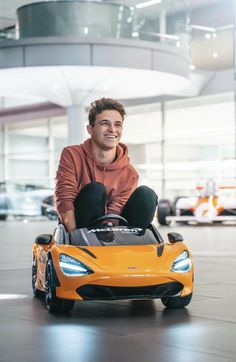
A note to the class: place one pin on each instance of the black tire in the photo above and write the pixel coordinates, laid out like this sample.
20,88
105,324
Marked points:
176,302
3,217
164,210
37,293
54,304
67,306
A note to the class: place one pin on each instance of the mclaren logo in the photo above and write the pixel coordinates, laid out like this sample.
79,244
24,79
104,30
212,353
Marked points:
132,268
132,231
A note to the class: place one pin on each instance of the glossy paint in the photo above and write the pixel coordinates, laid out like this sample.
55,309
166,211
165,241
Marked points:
123,266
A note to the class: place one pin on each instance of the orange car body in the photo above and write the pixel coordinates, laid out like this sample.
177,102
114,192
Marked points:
117,271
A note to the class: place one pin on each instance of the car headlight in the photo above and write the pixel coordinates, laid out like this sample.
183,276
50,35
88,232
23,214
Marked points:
182,263
72,266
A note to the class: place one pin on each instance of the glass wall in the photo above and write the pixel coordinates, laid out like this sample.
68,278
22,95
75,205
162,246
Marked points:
199,143
33,150
194,141
143,134
28,152
1,152
162,22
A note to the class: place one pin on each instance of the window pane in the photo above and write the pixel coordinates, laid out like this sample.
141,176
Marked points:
142,133
199,143
28,152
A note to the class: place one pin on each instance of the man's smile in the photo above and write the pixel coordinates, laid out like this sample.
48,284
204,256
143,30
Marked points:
111,136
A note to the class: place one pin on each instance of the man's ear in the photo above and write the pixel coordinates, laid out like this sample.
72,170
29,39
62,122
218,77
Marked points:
89,129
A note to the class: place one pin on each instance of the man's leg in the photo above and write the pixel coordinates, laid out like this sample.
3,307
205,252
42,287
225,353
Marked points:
90,204
140,207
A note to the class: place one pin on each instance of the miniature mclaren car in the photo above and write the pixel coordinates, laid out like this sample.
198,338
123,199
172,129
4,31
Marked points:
109,263
209,207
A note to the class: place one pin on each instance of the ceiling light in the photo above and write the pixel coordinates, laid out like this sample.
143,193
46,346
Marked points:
192,67
215,55
159,35
203,28
147,3
208,36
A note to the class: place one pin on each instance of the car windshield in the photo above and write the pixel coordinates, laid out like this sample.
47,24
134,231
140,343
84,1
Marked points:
113,236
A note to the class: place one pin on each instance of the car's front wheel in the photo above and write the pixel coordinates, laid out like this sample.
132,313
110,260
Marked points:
54,304
176,302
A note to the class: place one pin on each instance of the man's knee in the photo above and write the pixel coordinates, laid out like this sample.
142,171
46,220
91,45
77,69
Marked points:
147,194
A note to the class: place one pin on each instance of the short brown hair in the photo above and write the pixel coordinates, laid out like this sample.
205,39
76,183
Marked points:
103,104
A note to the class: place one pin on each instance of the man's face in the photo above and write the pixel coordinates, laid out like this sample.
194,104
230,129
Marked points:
107,130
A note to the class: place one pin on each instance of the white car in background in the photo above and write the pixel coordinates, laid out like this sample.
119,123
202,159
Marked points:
22,200
214,204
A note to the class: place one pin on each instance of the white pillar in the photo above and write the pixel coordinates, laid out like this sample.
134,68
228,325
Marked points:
76,128
51,151
5,153
162,24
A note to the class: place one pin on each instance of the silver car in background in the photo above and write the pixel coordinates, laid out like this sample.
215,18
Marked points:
22,200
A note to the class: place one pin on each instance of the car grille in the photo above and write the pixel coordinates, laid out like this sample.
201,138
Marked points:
92,291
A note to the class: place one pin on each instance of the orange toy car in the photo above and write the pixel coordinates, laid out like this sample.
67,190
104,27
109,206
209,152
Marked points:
111,262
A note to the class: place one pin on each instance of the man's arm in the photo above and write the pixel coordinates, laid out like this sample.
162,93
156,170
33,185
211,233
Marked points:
66,190
68,220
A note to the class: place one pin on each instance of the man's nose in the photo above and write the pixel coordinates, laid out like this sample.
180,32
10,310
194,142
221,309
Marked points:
111,127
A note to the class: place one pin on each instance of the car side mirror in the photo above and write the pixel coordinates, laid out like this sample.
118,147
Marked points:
174,237
43,239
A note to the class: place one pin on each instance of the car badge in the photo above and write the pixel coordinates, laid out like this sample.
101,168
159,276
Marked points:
132,267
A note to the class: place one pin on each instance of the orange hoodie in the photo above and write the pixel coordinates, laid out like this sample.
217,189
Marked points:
78,167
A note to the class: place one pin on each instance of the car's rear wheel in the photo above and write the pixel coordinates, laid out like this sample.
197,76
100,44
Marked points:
176,302
54,304
164,210
36,291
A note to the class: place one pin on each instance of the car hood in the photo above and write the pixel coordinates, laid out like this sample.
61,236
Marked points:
119,258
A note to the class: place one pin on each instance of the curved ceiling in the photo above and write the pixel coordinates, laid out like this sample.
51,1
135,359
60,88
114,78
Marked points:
67,85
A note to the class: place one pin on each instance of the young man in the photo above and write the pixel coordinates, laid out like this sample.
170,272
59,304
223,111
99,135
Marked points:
96,177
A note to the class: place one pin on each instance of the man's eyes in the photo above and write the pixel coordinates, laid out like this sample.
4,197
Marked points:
105,123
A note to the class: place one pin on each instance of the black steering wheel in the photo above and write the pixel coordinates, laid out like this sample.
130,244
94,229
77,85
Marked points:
109,217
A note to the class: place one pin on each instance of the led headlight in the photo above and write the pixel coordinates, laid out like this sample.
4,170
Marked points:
182,263
72,266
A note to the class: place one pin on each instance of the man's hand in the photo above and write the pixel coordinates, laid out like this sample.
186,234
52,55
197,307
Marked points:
68,220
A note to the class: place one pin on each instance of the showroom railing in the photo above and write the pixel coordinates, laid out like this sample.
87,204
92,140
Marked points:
158,21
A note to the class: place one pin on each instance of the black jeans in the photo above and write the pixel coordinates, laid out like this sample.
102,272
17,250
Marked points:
138,211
